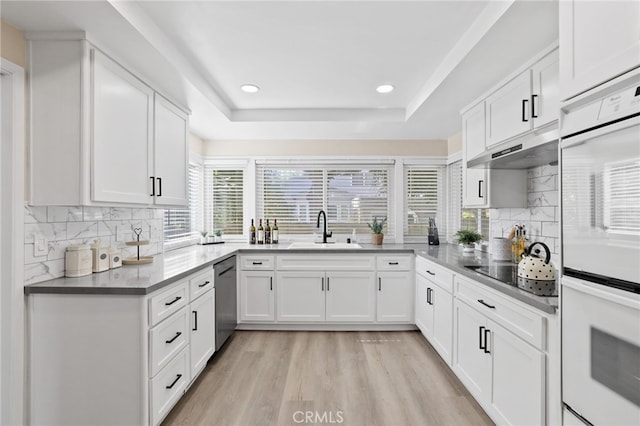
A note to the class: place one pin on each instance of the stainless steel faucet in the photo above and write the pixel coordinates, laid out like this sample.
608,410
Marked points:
325,234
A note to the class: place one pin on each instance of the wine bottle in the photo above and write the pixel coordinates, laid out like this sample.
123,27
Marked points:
267,233
274,232
252,233
260,233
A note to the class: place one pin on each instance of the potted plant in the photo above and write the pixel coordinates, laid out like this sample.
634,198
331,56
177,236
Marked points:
376,230
203,237
467,238
217,235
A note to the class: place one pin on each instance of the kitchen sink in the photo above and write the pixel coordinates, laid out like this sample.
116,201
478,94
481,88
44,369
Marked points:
324,246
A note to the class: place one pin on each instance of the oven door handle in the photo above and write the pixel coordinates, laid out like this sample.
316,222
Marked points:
581,137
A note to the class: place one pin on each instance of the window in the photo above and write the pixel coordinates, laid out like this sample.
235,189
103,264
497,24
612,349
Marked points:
224,192
423,200
183,224
459,217
351,196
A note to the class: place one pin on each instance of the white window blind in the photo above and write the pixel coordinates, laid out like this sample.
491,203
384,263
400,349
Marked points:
181,224
621,207
454,211
224,193
351,196
424,199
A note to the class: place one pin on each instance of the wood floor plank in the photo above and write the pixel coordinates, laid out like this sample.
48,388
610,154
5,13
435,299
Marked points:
318,377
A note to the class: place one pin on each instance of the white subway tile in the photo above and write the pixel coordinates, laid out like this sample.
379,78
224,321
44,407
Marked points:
91,214
64,214
29,257
118,213
543,213
543,199
519,214
550,229
542,183
82,230
140,214
49,231
43,271
35,214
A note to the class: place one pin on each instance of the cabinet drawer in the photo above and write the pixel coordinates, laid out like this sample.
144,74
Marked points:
507,312
320,262
257,263
393,263
167,339
435,273
200,283
162,305
168,386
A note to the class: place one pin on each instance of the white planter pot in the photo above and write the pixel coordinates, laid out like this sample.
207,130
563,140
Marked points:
468,248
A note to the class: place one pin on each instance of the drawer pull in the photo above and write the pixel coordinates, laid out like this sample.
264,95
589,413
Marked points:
430,273
204,284
393,263
430,296
173,301
486,304
195,321
178,377
178,334
257,263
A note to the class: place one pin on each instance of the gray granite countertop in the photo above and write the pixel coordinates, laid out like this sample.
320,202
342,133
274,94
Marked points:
177,264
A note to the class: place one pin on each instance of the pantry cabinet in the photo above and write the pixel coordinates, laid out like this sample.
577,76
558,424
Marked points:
600,40
107,136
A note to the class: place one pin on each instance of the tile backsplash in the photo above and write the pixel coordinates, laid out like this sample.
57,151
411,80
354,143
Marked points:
63,226
541,216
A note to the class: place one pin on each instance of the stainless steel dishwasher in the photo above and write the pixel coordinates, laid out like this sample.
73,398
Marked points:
226,307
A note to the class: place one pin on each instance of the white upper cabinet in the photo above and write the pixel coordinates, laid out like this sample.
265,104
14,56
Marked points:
121,133
99,134
473,131
599,40
509,110
545,100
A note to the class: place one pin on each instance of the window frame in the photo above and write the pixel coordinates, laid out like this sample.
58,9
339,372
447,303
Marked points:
194,161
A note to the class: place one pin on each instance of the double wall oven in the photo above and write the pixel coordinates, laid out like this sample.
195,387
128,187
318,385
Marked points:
600,141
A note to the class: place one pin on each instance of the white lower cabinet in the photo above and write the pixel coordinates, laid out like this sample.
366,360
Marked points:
118,359
395,297
505,374
340,296
257,300
202,331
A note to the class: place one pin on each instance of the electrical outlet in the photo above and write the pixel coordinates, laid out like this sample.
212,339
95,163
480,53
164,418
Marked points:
40,247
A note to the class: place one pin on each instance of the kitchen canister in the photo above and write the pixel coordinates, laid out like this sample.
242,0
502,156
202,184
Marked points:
500,248
115,258
100,257
78,260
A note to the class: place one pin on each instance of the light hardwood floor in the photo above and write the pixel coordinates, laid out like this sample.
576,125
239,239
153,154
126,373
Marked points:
360,378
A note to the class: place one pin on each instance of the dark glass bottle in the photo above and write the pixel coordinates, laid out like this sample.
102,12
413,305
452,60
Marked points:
274,232
267,233
252,233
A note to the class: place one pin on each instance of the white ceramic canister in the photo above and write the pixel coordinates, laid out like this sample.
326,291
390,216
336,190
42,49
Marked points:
100,257
500,248
78,260
115,258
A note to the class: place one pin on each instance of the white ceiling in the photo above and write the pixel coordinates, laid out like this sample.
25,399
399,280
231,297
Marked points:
317,63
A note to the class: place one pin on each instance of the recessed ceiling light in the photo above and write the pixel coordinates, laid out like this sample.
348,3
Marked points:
249,88
385,88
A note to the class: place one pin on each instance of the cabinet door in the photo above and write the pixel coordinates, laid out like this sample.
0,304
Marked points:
257,296
473,131
300,296
518,379
545,101
424,311
122,108
202,332
509,110
471,363
350,296
395,297
600,40
170,154
476,186
442,339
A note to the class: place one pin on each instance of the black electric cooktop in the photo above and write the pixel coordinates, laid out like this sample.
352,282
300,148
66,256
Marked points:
508,274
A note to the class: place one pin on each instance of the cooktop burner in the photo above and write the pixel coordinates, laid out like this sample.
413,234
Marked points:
508,274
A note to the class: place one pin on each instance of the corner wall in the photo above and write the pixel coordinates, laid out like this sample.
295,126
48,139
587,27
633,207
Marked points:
13,45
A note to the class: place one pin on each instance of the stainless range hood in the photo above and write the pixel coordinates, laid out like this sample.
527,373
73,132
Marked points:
535,149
